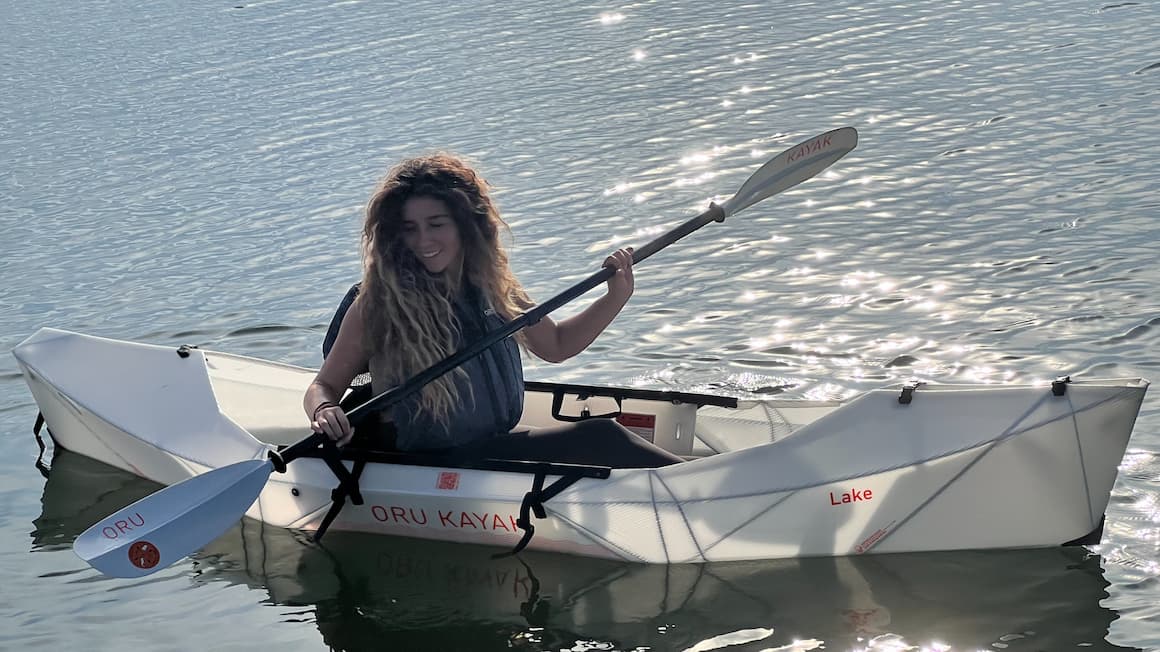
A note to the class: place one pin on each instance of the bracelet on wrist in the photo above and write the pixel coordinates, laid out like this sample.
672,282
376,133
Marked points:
320,407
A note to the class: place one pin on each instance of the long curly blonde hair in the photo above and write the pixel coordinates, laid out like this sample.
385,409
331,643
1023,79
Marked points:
410,323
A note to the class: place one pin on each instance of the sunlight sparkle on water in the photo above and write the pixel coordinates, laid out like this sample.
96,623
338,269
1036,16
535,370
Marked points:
649,231
694,159
638,55
758,343
856,279
826,392
611,18
695,181
890,346
842,300
981,374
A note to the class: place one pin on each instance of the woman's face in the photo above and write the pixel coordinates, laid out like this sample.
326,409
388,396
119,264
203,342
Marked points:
430,233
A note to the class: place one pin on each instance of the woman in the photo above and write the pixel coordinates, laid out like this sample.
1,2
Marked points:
435,276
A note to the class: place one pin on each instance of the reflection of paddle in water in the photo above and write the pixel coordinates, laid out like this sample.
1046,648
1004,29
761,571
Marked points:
367,591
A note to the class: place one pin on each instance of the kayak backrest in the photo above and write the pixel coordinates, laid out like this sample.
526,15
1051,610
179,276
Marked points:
665,418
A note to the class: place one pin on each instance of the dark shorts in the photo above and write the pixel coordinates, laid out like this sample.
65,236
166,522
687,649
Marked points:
597,442
600,442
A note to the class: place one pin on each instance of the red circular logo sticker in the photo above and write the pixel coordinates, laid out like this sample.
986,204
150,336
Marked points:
143,554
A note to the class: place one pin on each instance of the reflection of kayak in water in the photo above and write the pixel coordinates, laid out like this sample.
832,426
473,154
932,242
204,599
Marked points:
967,600
905,469
367,590
79,492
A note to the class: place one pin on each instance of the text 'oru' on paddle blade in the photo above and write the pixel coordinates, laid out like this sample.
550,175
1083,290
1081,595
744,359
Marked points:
793,166
166,526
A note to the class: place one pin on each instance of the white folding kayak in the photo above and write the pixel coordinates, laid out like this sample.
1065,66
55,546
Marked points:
913,467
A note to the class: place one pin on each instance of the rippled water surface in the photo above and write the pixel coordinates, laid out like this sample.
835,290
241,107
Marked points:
193,173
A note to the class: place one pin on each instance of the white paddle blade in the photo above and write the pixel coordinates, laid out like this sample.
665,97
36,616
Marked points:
793,166
166,526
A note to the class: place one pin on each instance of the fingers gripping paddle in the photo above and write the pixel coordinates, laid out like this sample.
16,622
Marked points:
168,525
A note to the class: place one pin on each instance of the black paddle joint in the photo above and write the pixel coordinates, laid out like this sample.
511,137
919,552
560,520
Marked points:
277,460
716,212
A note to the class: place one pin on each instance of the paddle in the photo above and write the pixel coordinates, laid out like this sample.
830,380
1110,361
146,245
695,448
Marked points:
162,528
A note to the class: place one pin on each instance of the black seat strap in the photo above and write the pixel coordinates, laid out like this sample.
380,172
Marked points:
534,503
338,497
347,485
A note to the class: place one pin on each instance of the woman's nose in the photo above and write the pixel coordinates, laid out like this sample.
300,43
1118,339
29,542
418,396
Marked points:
426,235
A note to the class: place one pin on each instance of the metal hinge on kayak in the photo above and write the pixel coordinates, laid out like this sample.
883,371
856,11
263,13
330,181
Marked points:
1059,385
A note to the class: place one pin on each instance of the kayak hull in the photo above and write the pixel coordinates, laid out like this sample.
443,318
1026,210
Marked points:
954,467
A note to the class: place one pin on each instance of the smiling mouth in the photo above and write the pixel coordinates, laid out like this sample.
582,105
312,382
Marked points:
430,254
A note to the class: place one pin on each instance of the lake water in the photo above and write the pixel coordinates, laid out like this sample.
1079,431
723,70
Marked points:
193,173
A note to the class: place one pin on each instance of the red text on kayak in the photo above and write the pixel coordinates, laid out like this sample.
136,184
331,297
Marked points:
873,538
853,496
450,519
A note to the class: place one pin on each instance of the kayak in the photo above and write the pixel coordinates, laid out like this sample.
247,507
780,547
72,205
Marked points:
906,468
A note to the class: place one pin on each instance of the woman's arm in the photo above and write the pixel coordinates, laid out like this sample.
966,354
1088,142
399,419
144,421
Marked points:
557,341
347,358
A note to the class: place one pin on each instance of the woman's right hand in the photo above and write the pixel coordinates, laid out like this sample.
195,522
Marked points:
331,420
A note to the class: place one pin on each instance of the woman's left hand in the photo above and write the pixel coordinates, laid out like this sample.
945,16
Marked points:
620,284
